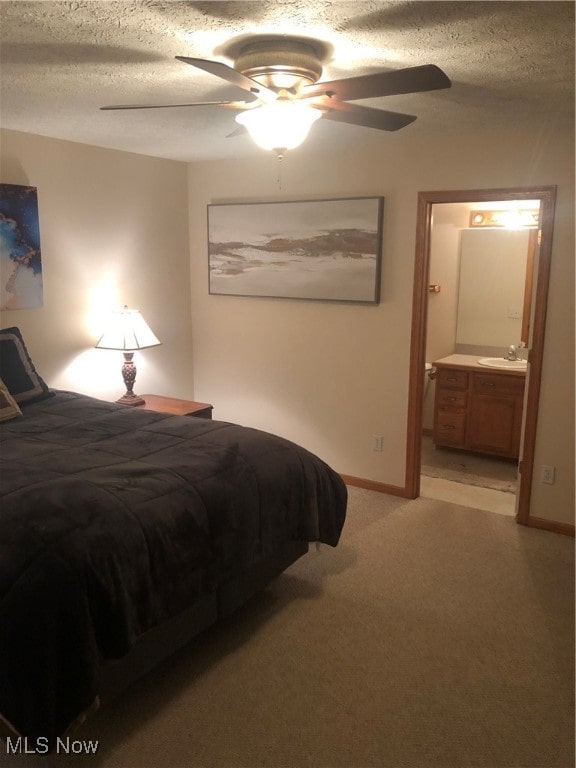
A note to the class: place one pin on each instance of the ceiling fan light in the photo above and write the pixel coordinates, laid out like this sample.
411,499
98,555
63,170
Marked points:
281,125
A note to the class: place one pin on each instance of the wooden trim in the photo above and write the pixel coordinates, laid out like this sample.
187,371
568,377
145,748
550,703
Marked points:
566,529
547,197
538,321
373,485
488,195
528,286
418,345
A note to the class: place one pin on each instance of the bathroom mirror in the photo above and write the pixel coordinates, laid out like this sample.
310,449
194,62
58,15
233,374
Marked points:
493,289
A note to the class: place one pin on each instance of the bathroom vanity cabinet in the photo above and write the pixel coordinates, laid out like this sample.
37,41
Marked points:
476,408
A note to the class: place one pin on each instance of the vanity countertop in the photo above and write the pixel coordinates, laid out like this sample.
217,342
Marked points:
471,362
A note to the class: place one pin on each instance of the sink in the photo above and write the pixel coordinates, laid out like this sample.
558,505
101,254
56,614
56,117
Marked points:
501,362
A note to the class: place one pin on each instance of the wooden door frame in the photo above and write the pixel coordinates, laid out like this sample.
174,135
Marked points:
547,197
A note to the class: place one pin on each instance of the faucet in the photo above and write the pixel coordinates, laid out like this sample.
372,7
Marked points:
511,354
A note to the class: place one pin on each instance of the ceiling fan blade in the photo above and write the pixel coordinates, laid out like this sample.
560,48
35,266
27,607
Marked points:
367,117
427,77
230,104
232,76
241,129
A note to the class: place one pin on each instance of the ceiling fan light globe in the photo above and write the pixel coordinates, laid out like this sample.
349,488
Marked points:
280,125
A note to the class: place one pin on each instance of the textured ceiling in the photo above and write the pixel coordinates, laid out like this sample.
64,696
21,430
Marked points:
509,62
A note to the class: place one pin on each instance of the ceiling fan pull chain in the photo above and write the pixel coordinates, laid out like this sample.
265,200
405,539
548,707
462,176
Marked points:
279,178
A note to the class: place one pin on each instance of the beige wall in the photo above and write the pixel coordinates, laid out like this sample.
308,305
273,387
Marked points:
448,220
331,375
114,231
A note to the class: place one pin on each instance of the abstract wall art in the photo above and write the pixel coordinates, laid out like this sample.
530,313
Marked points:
20,259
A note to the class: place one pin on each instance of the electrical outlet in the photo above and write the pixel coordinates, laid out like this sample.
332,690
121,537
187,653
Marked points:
548,473
377,442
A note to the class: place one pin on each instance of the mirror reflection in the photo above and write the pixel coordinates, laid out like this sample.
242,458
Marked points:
492,287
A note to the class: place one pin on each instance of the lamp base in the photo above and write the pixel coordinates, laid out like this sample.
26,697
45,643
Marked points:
131,399
129,376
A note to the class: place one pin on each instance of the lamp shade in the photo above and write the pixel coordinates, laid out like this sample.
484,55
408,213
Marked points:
283,124
127,331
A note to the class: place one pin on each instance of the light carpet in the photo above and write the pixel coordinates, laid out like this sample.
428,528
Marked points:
433,636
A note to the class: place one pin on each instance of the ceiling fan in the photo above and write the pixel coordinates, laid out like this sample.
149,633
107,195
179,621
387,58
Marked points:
282,77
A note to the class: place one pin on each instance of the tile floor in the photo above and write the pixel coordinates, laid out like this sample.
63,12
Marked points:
468,495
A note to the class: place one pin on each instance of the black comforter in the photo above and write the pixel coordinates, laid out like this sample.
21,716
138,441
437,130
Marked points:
114,519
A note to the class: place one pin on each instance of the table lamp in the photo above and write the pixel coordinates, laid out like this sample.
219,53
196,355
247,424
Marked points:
128,331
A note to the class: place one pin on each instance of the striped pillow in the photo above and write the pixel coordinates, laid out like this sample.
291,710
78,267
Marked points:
9,408
17,369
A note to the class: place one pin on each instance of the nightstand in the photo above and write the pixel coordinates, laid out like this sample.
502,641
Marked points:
175,406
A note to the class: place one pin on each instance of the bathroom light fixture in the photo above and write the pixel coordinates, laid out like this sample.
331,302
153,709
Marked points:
510,219
128,331
280,125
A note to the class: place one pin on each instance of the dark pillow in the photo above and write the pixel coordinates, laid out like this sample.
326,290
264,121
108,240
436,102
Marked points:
17,369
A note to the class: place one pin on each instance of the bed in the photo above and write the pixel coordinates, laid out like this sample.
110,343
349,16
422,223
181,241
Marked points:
125,532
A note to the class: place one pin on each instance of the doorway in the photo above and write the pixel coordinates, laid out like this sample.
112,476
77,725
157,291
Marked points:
421,294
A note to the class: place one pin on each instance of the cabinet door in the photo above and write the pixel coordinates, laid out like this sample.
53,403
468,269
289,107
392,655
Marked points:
493,424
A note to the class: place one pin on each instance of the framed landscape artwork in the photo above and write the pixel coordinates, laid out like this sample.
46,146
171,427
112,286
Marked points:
317,249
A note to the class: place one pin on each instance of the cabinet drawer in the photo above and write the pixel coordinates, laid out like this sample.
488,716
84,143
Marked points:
451,398
450,427
453,379
497,384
